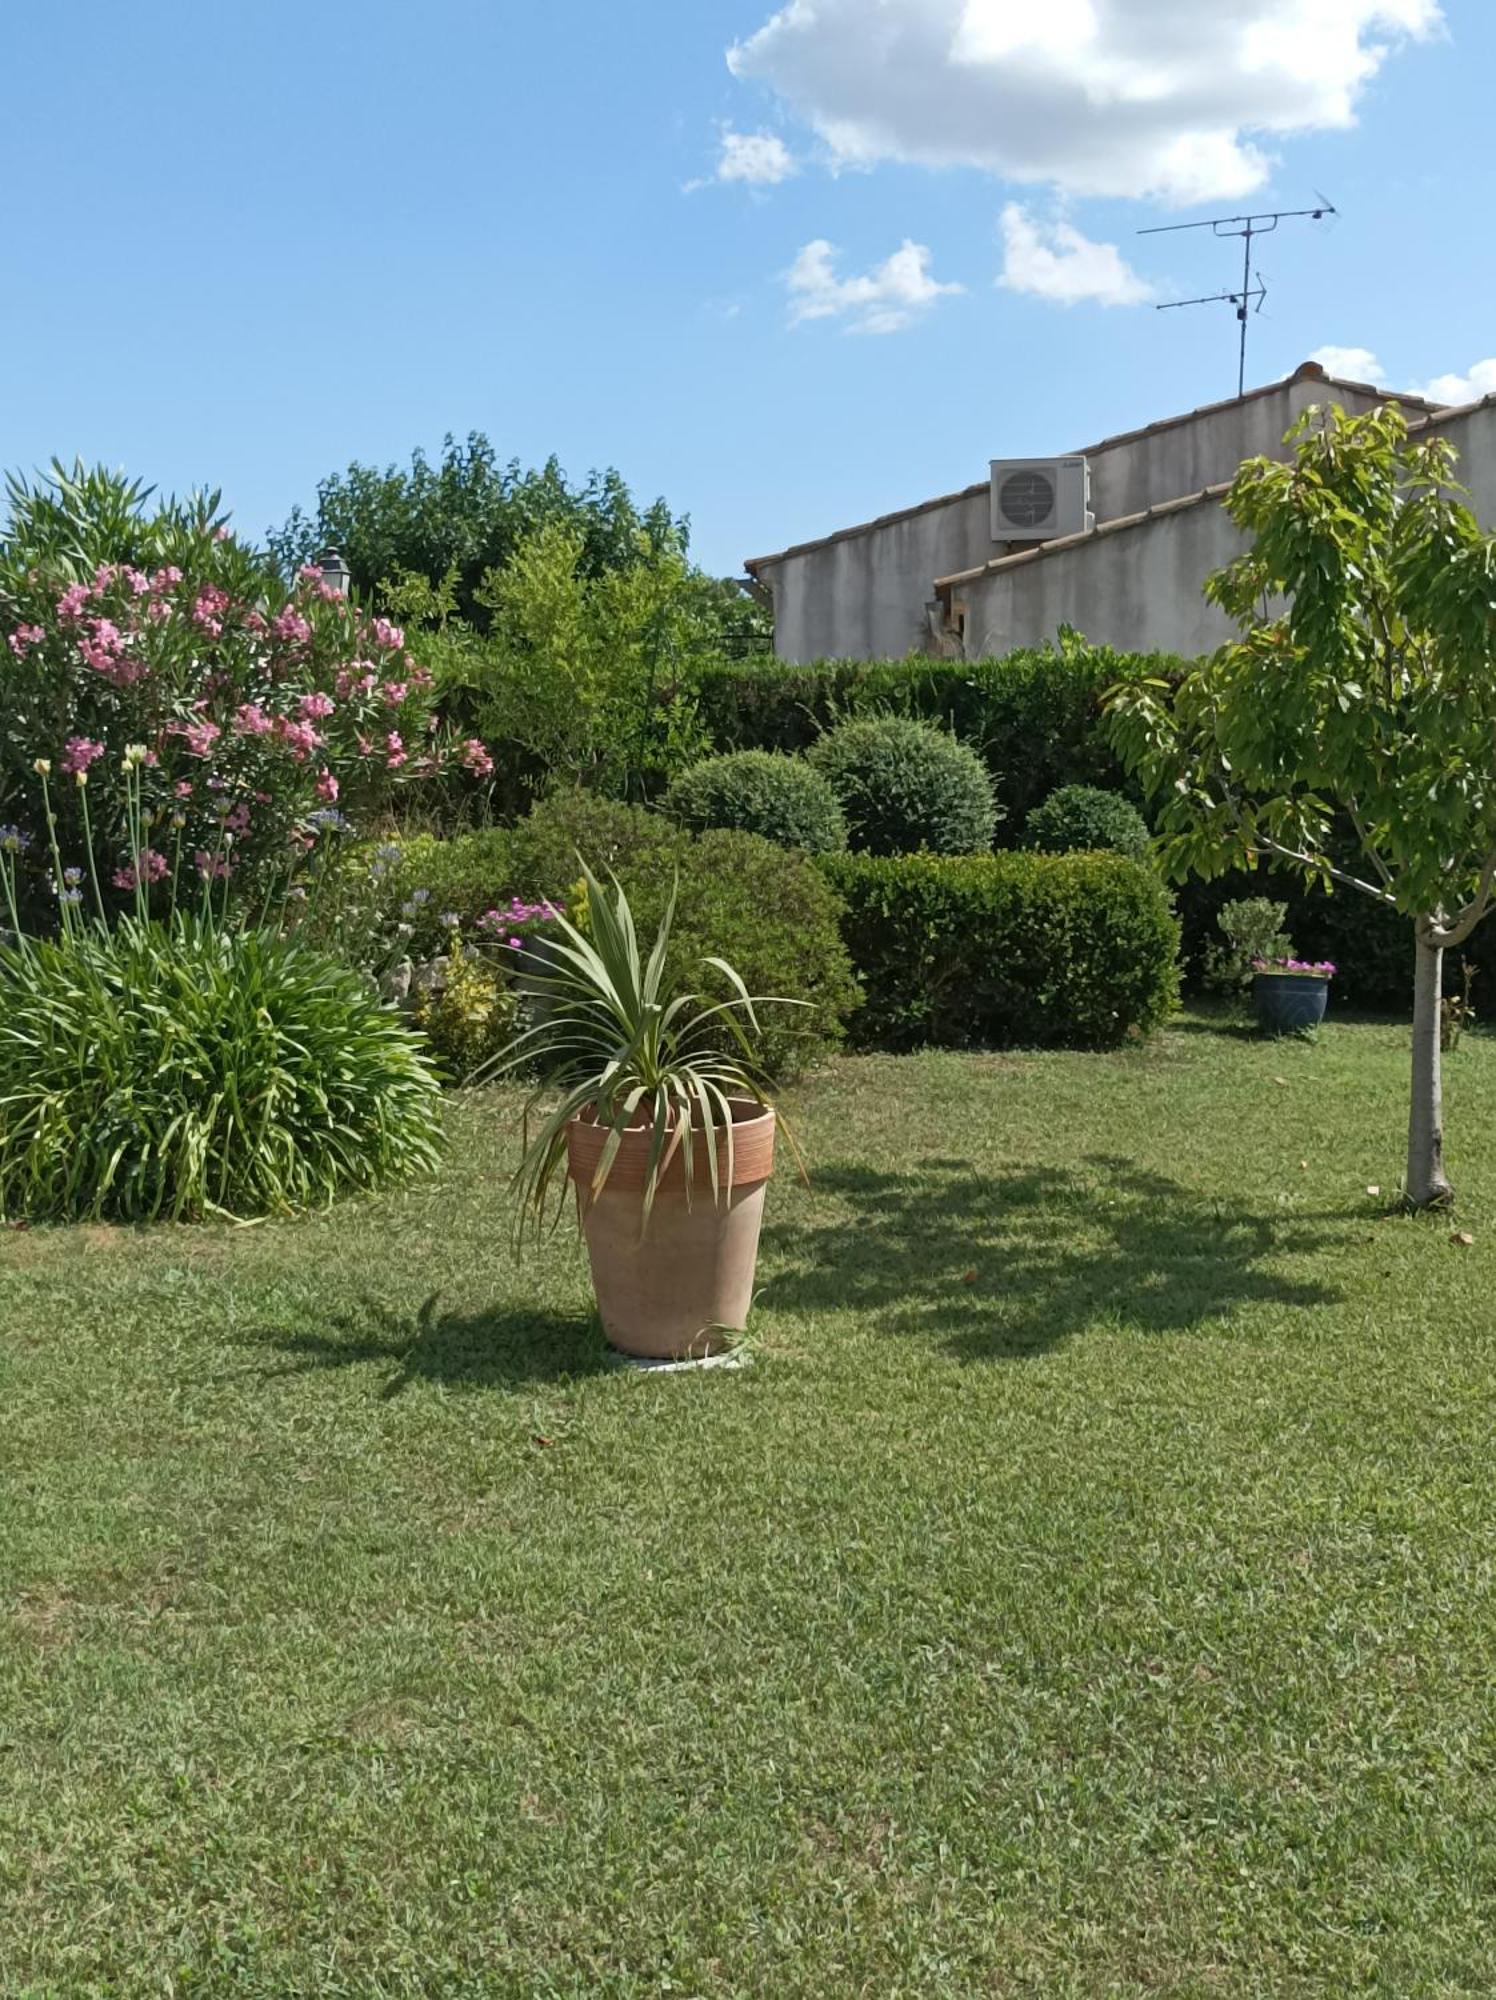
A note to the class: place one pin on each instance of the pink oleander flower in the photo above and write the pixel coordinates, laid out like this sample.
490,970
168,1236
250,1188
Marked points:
208,609
421,677
137,580
315,706
238,820
365,745
199,736
24,638
251,720
327,786
166,578
70,604
309,573
394,750
104,575
183,788
290,626
148,866
79,752
388,636
475,758
223,532
157,611
299,737
254,621
395,692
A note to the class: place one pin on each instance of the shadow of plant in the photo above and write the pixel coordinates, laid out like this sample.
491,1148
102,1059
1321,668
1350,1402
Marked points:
505,1348
1008,1264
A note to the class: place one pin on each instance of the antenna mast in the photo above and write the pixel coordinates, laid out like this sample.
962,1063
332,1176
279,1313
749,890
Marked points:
1249,228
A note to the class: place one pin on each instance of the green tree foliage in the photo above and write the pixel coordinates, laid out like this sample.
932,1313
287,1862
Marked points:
1367,697
464,517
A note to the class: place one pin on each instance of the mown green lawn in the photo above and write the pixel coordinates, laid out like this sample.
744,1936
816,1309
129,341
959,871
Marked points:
1090,1589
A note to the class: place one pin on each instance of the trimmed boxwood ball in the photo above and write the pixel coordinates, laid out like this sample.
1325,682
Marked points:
905,786
783,799
1078,817
176,1071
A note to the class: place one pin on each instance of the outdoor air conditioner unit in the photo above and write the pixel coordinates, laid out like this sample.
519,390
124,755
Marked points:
1039,499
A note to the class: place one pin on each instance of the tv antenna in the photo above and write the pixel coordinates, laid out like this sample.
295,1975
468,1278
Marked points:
1249,228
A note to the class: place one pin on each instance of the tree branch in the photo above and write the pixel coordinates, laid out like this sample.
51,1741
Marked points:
1366,847
1456,932
1322,867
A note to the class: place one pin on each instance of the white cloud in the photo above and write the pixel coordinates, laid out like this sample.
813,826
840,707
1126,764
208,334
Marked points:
1468,388
1359,364
1351,364
760,159
1056,262
883,300
1104,97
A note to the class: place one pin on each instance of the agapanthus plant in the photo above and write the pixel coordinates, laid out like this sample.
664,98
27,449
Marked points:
250,708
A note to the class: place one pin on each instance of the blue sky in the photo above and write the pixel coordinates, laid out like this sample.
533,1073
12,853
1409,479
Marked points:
247,244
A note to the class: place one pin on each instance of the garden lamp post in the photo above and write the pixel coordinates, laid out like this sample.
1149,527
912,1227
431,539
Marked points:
335,570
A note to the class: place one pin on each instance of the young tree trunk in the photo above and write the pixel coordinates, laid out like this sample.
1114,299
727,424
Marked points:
1426,1184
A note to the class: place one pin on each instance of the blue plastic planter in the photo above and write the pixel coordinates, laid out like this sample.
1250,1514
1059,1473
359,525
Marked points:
1289,1002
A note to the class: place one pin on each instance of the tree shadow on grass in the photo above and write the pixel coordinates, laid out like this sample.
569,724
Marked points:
1006,1265
505,1348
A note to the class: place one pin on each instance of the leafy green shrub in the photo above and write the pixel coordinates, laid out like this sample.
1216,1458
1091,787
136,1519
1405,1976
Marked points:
467,1013
905,785
179,1071
1034,714
1080,817
1252,928
760,791
1001,949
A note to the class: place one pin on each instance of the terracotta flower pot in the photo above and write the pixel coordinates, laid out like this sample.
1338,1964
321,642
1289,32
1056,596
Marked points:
682,1287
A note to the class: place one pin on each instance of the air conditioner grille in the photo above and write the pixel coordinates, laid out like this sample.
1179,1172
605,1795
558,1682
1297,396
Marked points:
1026,499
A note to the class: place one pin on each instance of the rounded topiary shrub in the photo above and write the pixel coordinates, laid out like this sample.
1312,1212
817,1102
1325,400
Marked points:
784,799
184,1070
904,785
1081,817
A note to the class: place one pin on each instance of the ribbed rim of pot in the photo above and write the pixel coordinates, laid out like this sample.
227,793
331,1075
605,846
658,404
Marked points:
753,1130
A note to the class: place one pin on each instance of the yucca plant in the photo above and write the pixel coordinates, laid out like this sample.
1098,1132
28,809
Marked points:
172,1071
622,1042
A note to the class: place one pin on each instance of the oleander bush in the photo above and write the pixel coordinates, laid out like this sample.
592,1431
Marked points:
996,950
1080,817
785,799
187,1069
904,786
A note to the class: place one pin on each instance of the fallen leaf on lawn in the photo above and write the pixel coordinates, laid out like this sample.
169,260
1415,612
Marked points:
1463,1238
1373,1191
1281,1079
537,1439
1303,1166
968,1277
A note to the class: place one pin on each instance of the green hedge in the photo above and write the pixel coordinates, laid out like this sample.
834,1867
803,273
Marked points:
1032,714
1003,949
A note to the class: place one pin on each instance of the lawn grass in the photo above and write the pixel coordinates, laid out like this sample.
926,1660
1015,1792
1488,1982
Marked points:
1088,1590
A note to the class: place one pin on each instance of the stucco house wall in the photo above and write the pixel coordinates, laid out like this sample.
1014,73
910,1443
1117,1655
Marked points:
870,592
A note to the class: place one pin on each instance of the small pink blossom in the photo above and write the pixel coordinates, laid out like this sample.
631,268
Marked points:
395,692
327,786
309,573
475,758
315,706
254,621
79,752
104,575
365,745
148,866
183,788
251,720
70,604
213,868
388,636
166,578
238,820
290,626
394,750
299,737
137,580
208,609
24,638
199,736
222,532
